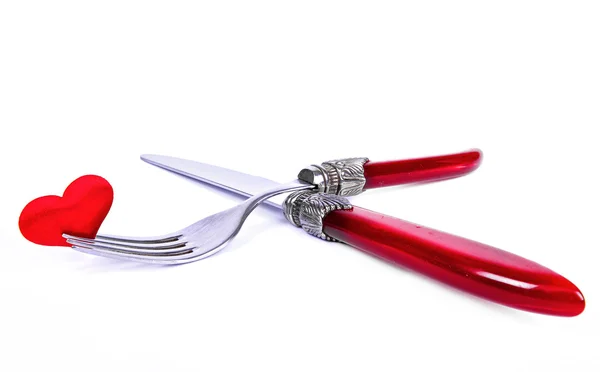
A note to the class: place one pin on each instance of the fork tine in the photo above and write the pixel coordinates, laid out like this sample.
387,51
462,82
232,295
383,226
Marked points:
126,257
145,240
117,244
203,238
178,248
170,259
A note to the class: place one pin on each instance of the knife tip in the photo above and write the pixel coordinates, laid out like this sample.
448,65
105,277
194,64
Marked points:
147,157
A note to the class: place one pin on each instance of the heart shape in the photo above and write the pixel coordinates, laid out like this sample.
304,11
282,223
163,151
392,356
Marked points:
80,212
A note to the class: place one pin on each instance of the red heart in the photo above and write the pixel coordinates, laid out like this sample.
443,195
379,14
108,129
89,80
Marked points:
80,211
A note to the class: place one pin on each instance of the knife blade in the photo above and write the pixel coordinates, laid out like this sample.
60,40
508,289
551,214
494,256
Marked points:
227,179
485,271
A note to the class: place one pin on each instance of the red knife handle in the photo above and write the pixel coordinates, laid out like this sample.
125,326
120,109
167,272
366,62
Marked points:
434,168
479,269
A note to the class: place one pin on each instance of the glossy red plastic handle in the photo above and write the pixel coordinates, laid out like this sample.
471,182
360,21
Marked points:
434,168
479,269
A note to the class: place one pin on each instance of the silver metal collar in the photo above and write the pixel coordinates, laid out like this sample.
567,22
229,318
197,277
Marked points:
307,209
343,177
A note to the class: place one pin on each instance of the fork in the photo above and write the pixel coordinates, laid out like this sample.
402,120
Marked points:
195,242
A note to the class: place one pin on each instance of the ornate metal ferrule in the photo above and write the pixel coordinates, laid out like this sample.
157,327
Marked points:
344,177
306,209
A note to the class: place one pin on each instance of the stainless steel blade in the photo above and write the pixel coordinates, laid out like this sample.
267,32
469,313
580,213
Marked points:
237,182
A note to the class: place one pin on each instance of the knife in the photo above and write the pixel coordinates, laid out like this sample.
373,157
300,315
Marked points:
479,269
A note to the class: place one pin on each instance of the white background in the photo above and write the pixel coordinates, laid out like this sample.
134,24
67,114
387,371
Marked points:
266,88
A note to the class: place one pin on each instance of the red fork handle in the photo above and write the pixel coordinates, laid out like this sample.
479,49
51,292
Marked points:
434,168
479,269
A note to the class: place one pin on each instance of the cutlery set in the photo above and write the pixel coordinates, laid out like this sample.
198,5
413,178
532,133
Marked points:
318,202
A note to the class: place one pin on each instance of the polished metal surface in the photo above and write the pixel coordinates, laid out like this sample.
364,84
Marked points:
291,206
237,182
349,174
344,177
319,177
195,242
307,209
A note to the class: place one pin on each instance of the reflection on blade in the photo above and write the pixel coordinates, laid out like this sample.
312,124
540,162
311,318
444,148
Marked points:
237,182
